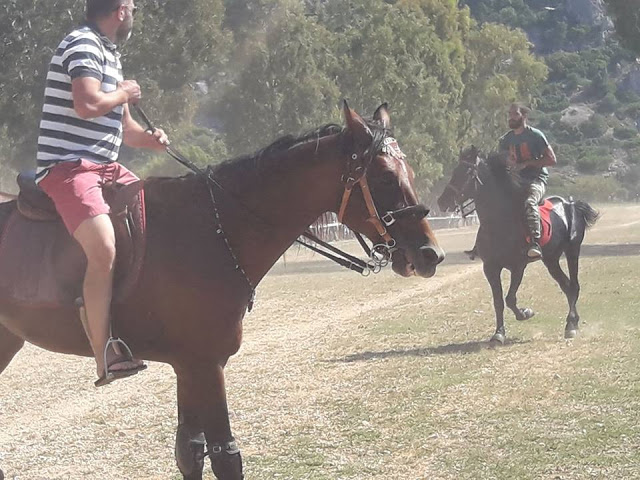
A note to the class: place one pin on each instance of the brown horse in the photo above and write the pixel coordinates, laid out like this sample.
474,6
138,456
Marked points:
212,238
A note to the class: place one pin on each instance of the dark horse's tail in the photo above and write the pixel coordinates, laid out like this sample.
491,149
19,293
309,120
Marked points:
585,211
581,216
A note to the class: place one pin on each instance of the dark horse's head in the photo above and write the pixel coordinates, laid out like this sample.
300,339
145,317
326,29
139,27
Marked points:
466,177
385,208
462,184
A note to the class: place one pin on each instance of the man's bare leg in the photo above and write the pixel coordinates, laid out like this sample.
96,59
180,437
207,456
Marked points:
97,238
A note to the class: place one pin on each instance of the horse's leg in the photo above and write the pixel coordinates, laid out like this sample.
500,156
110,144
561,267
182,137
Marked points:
492,272
190,441
202,408
512,300
571,328
569,287
10,344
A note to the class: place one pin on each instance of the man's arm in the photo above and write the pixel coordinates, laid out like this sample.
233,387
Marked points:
89,101
136,136
547,159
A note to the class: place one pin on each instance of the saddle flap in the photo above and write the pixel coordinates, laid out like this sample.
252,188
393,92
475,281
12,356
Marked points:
42,265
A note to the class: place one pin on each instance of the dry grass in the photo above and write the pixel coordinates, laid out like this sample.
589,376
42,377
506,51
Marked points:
342,377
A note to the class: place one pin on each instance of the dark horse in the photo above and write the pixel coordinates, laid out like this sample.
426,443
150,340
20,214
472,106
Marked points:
499,201
212,238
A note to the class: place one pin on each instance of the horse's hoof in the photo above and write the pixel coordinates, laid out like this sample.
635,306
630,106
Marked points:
1,475
570,333
497,339
525,314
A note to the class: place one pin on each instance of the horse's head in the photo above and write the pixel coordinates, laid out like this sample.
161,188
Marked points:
462,184
385,208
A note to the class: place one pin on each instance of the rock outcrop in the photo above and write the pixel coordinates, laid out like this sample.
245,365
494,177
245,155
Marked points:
589,12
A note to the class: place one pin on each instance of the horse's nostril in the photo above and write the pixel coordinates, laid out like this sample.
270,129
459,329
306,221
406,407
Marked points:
431,255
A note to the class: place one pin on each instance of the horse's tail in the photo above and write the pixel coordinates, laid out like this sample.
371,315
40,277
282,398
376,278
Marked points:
580,217
588,214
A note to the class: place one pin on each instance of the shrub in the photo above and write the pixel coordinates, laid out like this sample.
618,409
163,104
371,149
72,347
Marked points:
591,188
624,132
608,104
592,163
595,127
632,110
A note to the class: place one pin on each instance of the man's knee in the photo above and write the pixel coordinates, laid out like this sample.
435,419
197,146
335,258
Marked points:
97,239
531,204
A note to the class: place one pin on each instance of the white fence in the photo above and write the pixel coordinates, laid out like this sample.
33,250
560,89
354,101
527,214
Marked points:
330,230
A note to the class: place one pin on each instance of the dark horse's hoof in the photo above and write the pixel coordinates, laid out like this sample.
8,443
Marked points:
525,314
497,339
571,333
1,475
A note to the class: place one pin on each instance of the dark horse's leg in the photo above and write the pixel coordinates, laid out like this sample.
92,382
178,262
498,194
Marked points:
10,344
512,301
202,409
569,286
492,272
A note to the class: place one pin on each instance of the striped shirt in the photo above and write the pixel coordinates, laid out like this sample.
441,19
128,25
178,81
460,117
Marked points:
64,136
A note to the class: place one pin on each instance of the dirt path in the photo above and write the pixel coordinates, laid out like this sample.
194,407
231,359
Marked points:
55,425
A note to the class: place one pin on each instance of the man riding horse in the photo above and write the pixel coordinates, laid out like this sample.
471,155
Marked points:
527,152
85,119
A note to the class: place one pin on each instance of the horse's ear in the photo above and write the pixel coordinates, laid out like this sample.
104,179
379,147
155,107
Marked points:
357,126
382,115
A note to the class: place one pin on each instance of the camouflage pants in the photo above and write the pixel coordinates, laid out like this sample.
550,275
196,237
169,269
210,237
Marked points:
531,211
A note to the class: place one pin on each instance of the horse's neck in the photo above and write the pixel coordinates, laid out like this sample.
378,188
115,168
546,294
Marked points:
496,206
281,204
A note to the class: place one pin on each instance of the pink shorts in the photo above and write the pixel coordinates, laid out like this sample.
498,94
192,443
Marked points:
76,189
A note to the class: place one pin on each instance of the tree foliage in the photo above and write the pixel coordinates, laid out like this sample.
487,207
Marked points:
276,67
626,17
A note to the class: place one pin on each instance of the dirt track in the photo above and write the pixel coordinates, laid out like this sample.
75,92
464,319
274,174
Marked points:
55,425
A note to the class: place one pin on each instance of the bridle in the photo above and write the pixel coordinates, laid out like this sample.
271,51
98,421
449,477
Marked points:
466,207
380,253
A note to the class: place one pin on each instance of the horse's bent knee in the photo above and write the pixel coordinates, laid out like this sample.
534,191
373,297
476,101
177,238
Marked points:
189,450
226,461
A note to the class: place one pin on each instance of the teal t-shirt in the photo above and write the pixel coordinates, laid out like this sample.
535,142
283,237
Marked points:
529,145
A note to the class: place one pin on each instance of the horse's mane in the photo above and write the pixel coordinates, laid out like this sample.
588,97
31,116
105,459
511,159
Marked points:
272,158
510,180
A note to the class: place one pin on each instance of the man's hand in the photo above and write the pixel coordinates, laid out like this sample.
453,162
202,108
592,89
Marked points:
160,139
131,89
511,162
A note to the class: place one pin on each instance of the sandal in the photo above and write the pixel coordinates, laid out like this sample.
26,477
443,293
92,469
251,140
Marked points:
110,375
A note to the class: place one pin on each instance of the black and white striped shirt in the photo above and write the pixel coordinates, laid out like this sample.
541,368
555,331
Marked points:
64,136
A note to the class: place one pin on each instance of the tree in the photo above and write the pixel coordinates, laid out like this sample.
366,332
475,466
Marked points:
281,83
499,70
626,17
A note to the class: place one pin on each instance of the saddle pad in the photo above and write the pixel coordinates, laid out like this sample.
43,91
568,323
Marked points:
545,222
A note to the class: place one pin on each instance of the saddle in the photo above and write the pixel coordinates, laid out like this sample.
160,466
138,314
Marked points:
41,265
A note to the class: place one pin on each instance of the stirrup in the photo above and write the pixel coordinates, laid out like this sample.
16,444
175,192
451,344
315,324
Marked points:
109,376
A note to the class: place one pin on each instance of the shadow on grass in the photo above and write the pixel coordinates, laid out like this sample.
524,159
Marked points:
453,348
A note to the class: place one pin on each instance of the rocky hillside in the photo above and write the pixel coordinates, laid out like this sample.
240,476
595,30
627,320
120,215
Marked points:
590,105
